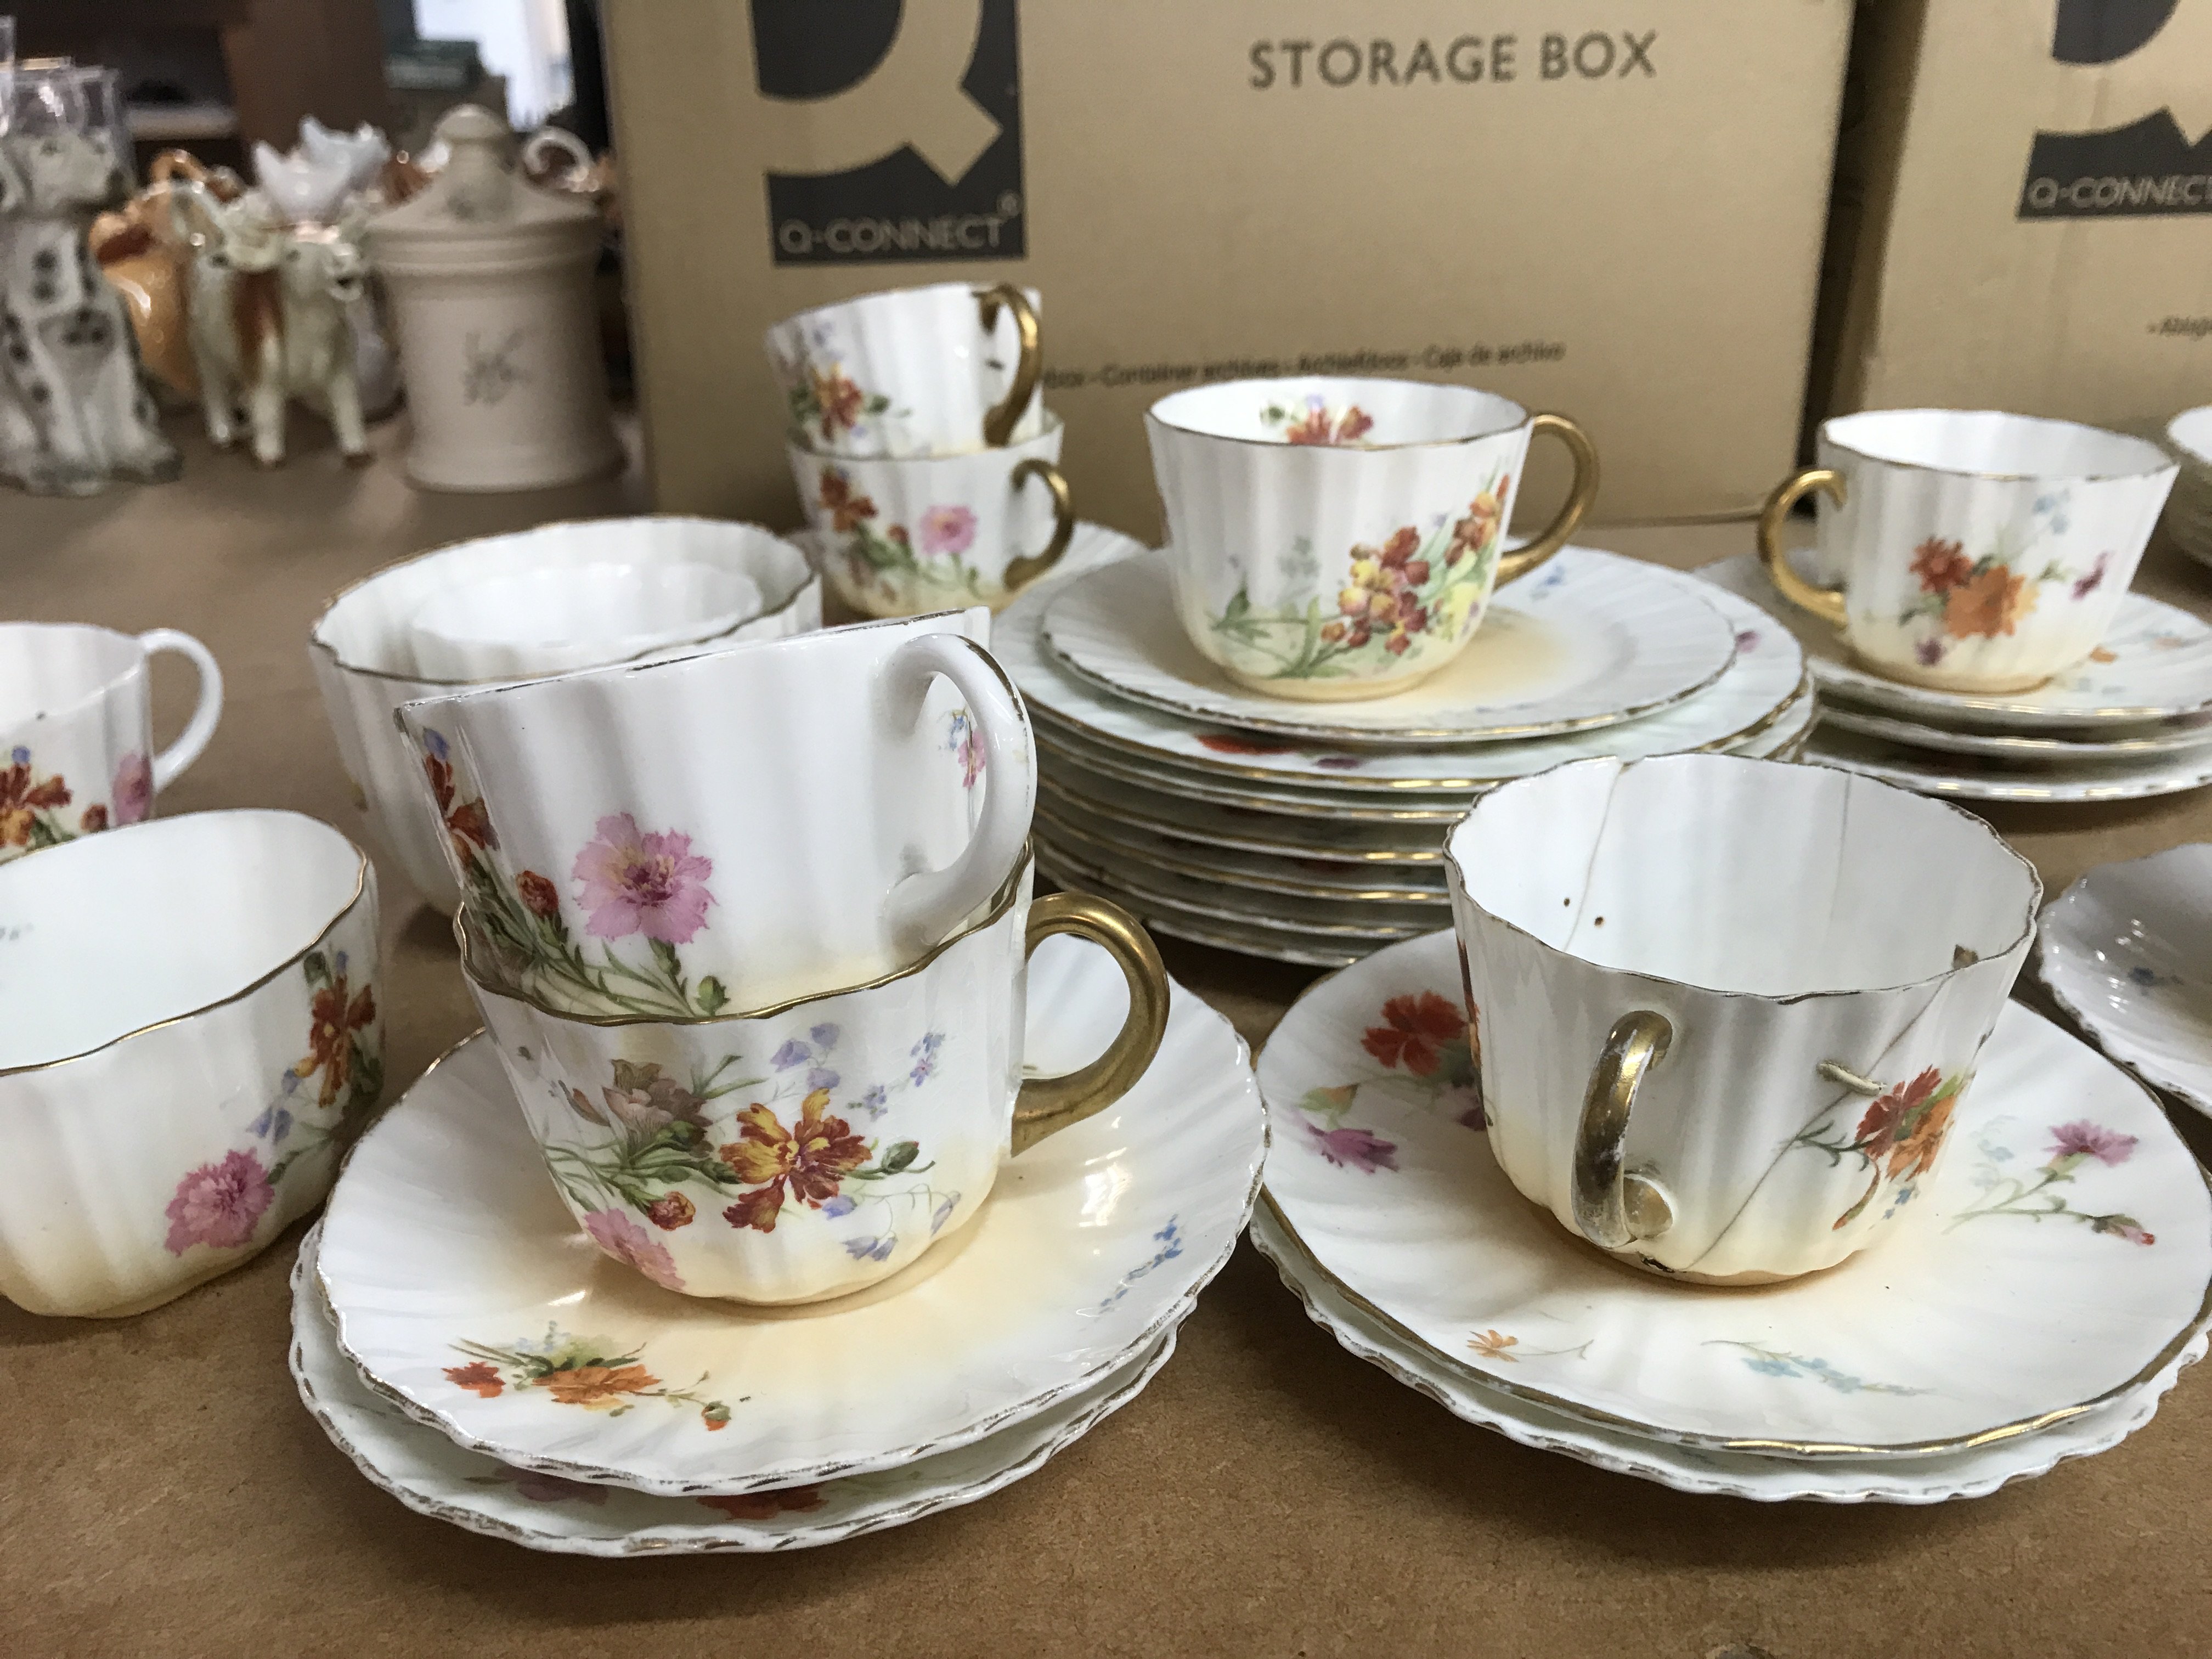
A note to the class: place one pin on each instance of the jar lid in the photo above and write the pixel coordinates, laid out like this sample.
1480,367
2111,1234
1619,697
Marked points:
478,202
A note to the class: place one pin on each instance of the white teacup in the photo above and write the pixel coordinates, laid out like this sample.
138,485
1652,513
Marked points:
913,371
1335,539
533,623
190,1036
914,534
793,1153
1725,1008
77,729
727,831
1970,550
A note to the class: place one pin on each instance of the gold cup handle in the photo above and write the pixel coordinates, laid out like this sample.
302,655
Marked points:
1524,560
1022,572
1614,1206
998,425
1826,602
1047,1105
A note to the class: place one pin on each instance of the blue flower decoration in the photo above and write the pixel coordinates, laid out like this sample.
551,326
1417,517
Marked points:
821,1076
839,1204
1772,1367
791,1053
825,1037
20,756
943,1213
871,1249
873,1102
435,741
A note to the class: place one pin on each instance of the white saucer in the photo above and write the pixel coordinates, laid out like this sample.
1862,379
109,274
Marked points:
1336,884
2156,663
1975,1472
1977,777
463,1290
2127,950
432,1476
1390,852
2187,734
1217,928
1371,924
2059,1259
1587,641
1766,679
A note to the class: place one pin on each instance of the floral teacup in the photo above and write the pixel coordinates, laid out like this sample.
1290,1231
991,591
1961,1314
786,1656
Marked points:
1334,539
77,729
804,1151
1973,550
902,537
167,1110
701,833
914,371
1725,1008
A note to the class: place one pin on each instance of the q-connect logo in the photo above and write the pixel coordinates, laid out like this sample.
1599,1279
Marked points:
892,129
2142,69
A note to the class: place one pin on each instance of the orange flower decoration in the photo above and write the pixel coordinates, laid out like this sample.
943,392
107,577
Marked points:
466,822
539,896
1941,565
597,1387
94,819
670,1211
20,799
1494,1345
1474,532
810,1160
1416,1028
839,400
330,1038
478,1378
846,510
1317,426
1988,604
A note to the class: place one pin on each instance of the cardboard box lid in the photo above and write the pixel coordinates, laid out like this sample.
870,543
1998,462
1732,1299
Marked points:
1618,223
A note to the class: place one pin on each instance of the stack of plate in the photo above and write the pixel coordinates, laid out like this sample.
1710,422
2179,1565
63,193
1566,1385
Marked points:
1312,832
2136,719
477,1357
2039,1297
2188,508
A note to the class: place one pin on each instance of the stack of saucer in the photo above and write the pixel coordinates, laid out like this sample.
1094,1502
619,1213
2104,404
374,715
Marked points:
2135,720
468,1346
2060,1273
1312,832
2189,509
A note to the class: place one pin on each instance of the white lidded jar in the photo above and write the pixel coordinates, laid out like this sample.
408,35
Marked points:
490,280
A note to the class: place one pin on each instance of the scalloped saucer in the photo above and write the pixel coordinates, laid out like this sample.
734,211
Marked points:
2127,950
1590,640
2059,1258
1973,1473
464,1293
2156,664
432,1476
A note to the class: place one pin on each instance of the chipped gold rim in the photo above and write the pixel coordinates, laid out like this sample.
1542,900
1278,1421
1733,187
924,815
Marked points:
360,888
317,642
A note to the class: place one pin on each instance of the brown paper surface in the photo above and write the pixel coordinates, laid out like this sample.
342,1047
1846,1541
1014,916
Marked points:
162,1492
2024,211
1605,213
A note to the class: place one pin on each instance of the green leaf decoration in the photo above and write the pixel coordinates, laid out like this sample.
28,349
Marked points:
318,967
901,1156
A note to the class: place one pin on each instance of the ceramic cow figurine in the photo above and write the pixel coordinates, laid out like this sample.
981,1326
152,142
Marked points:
270,321
74,412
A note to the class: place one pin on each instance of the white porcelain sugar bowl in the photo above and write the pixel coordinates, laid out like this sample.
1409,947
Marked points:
490,283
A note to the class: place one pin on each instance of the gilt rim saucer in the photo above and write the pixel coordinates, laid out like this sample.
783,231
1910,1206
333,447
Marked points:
1766,680
1971,1323
1975,777
2156,664
432,1476
1975,1472
1588,640
462,1291
2127,953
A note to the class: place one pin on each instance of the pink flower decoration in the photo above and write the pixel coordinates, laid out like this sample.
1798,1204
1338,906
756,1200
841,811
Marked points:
613,1231
633,883
947,530
134,788
219,1204
1355,1149
2082,1138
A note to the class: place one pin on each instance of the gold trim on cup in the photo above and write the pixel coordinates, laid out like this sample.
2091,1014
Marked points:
1000,422
1827,436
1826,602
360,887
1046,1105
1584,491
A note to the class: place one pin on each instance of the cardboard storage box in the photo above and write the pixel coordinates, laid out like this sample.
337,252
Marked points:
1613,213
2024,210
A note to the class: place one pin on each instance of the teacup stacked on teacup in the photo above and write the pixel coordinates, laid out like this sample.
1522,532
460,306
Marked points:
775,1169
927,462
1969,610
190,1027
1707,1147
